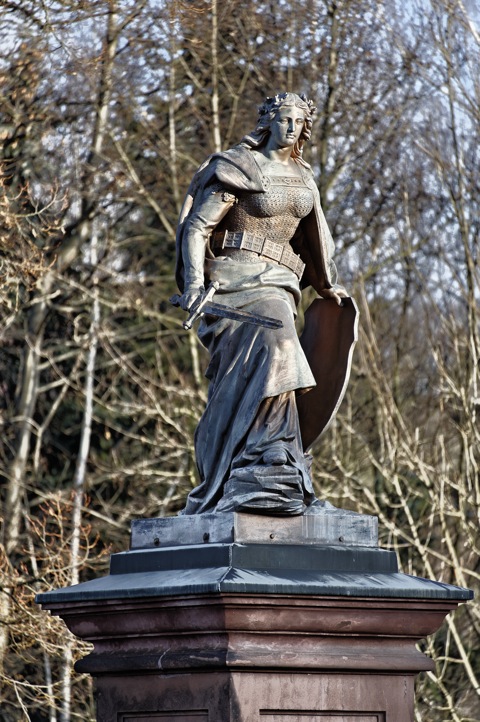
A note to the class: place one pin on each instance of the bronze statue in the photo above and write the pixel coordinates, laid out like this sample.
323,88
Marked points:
253,231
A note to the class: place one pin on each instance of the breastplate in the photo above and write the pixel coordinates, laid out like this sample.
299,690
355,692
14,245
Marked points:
274,214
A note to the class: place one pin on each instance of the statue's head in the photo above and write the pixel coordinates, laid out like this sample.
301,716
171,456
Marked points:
267,113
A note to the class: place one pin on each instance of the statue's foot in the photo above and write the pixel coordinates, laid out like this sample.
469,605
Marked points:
262,489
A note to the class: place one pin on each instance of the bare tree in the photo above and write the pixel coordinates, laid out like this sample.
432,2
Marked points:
108,111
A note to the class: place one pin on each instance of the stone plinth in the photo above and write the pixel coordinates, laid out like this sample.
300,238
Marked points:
329,526
259,621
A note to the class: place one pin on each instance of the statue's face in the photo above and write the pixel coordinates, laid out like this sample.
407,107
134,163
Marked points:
287,126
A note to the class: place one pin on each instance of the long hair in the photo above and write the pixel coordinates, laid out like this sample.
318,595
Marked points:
267,113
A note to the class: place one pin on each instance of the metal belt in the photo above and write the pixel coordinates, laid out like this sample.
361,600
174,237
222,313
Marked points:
246,241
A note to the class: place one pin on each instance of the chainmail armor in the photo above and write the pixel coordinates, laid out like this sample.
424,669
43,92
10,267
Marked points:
274,214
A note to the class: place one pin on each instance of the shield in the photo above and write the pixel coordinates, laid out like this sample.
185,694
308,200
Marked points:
328,339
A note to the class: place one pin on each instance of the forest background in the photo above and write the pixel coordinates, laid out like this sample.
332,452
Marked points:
107,108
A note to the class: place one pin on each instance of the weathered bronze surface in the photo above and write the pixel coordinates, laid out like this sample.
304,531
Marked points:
252,223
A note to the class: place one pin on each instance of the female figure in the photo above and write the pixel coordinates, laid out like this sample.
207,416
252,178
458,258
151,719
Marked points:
252,222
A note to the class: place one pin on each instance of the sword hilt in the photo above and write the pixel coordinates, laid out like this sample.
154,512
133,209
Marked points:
196,309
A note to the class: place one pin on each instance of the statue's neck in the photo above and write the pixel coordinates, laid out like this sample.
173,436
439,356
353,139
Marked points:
278,155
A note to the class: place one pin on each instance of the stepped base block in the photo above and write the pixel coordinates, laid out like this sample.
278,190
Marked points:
294,626
319,525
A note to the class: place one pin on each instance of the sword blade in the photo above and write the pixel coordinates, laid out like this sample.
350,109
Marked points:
235,314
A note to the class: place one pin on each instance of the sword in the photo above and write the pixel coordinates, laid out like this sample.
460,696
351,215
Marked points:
205,306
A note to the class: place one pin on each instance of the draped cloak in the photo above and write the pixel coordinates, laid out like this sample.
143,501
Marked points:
256,373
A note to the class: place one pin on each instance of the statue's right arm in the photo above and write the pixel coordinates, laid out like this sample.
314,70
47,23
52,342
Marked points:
214,205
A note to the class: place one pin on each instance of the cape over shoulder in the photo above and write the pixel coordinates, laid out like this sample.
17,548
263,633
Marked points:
238,169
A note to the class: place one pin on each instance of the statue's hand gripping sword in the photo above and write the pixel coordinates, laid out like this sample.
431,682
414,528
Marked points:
205,306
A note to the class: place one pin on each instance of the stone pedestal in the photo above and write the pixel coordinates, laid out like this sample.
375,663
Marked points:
243,618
